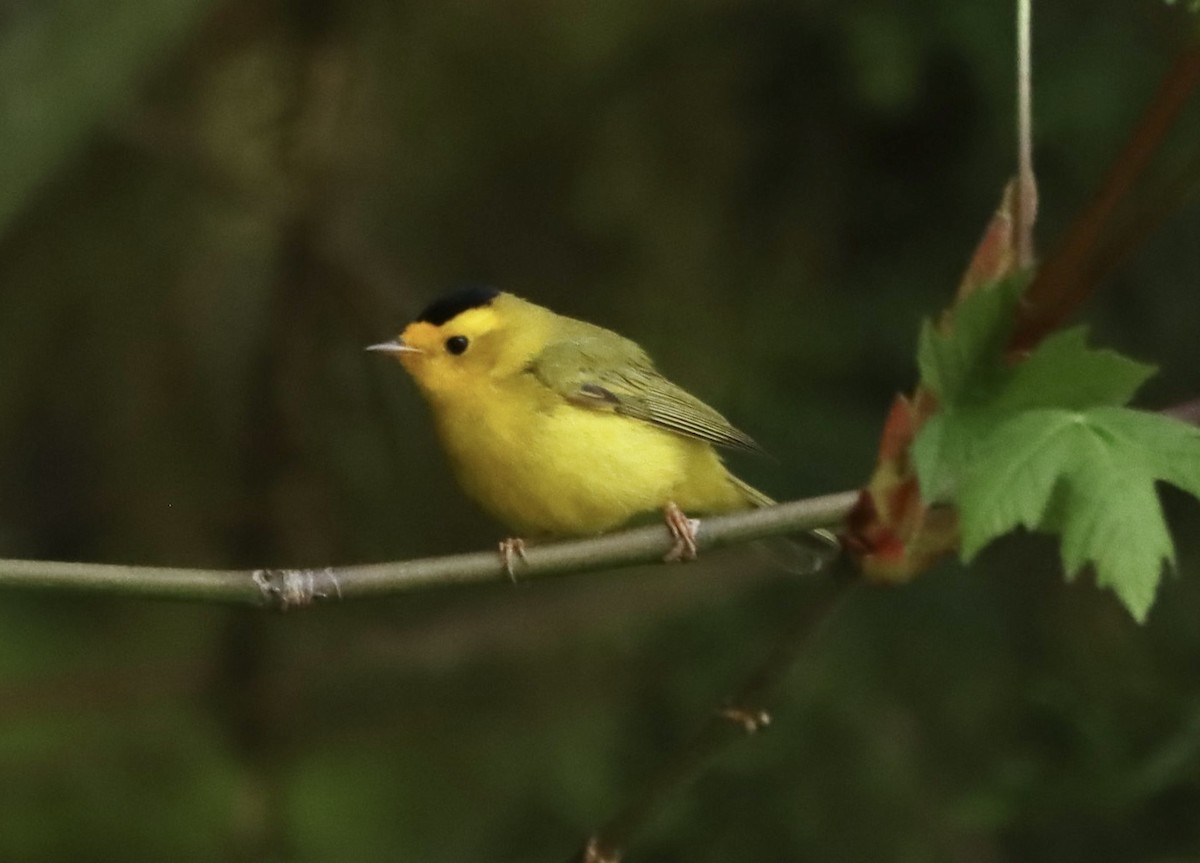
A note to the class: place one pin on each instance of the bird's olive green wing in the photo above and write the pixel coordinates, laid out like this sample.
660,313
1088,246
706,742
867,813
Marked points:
604,371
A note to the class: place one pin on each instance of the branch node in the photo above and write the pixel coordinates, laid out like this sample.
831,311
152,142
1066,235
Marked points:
749,720
595,852
296,588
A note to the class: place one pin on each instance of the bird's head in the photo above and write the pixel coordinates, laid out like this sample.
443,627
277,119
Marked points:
465,339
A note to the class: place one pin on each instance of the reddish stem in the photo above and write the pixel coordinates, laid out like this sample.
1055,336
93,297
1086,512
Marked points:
1065,280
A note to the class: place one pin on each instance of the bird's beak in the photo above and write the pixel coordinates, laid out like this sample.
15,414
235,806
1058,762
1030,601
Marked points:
395,347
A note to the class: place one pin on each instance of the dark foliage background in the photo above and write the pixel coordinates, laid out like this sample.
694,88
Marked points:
208,208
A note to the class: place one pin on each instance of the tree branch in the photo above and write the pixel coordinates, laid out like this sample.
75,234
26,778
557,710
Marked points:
1068,276
285,589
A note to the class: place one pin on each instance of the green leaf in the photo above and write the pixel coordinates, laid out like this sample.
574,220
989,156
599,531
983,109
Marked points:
1087,475
944,449
1012,478
1063,372
937,468
1171,446
1046,445
961,363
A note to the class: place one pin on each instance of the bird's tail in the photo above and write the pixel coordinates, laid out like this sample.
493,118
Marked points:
818,548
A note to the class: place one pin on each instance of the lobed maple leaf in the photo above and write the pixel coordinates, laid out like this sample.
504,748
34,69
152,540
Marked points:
1047,444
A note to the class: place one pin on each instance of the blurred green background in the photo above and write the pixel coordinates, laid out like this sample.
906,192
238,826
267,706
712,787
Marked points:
208,208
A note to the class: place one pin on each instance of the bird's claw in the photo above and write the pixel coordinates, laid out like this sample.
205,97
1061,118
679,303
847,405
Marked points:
683,530
510,550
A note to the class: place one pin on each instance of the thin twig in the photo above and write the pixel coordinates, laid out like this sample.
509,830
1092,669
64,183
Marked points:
741,716
297,588
1026,210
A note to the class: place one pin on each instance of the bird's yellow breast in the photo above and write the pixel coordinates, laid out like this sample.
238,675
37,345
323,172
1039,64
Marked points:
545,466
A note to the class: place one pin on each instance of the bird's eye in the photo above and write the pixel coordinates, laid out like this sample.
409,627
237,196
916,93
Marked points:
457,344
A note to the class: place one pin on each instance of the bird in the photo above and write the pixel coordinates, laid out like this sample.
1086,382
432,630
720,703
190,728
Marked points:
561,428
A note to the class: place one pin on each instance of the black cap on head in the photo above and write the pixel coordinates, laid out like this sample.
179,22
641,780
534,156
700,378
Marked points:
453,305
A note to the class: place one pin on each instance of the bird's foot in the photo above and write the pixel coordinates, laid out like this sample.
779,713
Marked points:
510,550
683,530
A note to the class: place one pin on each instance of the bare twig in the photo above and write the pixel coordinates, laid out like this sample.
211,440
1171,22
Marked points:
297,588
742,715
1026,209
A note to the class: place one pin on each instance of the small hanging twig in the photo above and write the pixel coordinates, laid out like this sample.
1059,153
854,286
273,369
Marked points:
742,715
1026,209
